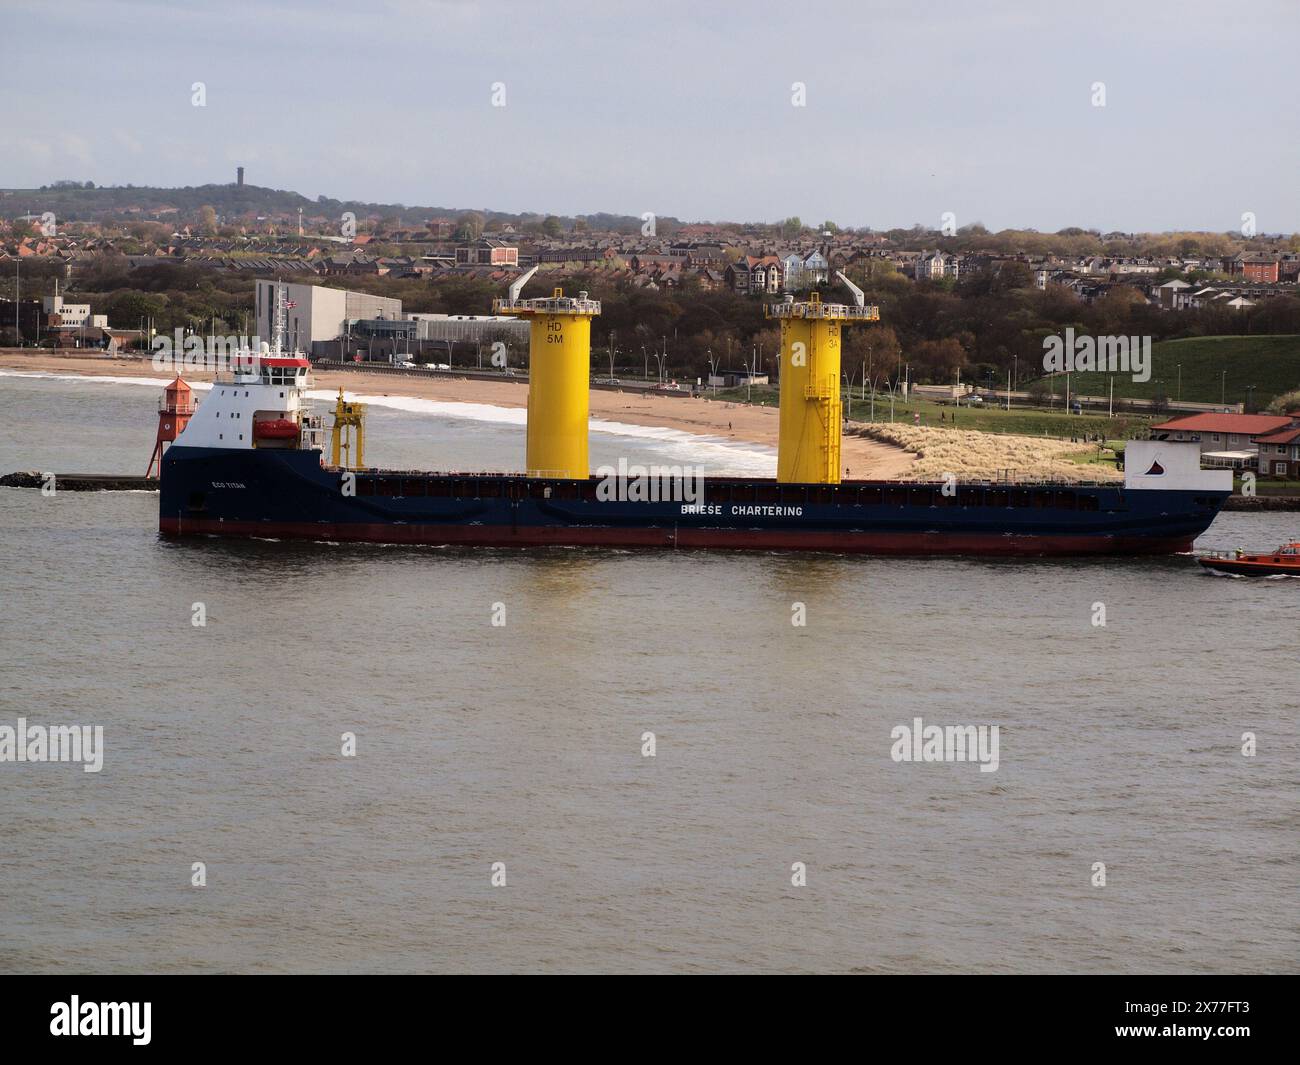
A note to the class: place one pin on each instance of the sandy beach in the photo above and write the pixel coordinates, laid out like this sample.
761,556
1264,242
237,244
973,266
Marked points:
862,457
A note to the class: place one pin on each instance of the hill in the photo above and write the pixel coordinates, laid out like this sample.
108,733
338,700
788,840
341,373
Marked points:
83,204
1212,370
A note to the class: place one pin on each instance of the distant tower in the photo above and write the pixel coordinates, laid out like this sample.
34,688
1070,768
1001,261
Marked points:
559,372
174,411
239,175
808,448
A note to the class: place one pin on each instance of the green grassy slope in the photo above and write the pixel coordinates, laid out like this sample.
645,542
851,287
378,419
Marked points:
1214,370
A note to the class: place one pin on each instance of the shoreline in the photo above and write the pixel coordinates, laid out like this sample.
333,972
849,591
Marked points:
705,418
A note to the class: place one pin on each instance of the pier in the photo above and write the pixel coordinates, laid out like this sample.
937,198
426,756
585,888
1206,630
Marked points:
80,482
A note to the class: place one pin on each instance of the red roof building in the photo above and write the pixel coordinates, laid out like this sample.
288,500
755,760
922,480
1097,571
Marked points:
1221,432
1279,453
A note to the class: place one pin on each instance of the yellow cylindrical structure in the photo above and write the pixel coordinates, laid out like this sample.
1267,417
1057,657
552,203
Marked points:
808,450
559,372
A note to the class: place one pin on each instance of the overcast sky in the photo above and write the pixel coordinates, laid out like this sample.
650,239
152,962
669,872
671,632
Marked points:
982,109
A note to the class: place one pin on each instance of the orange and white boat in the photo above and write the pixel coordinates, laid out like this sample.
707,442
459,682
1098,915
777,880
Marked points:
1285,560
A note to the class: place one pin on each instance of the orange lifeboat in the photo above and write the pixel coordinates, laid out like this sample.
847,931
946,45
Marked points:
275,429
1285,560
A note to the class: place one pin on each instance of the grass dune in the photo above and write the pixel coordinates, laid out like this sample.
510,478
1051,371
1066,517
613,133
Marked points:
971,455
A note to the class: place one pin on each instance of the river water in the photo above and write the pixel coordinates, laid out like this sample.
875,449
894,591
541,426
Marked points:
522,744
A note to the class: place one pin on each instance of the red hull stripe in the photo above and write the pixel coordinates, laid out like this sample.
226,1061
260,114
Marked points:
874,543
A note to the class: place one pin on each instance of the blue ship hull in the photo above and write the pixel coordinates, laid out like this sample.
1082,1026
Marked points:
289,494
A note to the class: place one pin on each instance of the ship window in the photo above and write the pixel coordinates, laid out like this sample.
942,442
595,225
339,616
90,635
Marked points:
241,436
221,436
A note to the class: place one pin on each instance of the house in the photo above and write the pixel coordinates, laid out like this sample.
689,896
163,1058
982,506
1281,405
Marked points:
1221,432
1279,452
1256,267
755,274
1171,294
936,265
487,252
803,271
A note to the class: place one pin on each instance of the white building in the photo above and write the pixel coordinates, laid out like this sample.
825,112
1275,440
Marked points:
318,313
73,315
472,328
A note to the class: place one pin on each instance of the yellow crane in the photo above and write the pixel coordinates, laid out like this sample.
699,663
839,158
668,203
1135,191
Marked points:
348,429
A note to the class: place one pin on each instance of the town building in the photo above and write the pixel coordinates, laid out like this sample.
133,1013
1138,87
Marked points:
314,313
1221,433
1279,452
487,252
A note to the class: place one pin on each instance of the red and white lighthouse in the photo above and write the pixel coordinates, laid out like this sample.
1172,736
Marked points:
175,409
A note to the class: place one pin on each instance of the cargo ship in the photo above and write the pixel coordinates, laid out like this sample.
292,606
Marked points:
251,461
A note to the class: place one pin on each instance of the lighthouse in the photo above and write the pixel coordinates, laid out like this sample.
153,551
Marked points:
559,373
808,448
175,409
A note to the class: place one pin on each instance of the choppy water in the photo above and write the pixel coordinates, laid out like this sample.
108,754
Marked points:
522,744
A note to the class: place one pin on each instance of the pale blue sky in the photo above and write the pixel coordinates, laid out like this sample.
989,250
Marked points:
983,109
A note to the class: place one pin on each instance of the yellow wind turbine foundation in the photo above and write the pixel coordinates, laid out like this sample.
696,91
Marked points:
808,450
559,372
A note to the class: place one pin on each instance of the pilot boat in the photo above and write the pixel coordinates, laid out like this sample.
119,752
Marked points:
1285,560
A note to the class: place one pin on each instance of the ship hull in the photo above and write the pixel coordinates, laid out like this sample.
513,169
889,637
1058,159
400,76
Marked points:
287,494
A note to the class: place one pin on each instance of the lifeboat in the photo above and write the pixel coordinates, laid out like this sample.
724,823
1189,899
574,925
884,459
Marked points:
275,429
1285,560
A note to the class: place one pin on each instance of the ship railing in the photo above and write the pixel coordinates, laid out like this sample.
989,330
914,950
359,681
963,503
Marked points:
814,309
546,305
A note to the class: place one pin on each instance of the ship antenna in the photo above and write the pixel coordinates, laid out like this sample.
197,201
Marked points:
281,316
